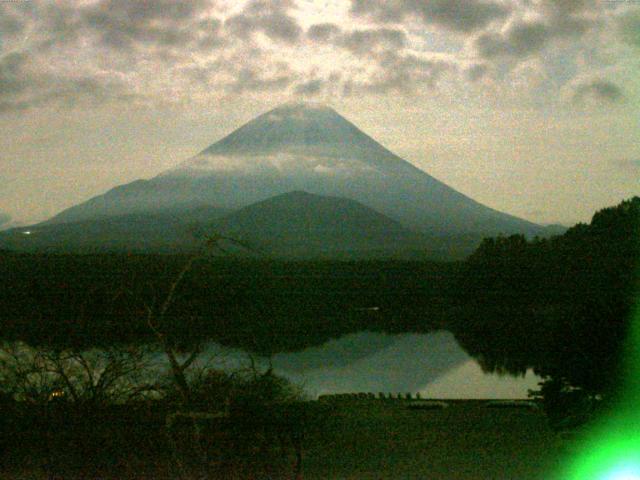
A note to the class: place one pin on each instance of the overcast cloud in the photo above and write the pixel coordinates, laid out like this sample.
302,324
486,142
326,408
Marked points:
457,15
79,53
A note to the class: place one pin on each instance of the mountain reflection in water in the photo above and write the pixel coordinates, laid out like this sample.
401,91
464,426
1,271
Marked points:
432,364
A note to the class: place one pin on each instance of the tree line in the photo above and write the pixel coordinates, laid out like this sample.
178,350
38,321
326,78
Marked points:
562,306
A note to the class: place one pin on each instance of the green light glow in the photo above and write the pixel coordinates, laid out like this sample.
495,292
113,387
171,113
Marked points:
611,450
626,472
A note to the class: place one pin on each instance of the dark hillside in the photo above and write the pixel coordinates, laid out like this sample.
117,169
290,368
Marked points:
561,305
299,224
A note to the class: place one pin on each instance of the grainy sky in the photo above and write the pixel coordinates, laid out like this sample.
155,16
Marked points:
529,106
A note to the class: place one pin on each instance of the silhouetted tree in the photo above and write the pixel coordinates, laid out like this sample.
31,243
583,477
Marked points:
561,306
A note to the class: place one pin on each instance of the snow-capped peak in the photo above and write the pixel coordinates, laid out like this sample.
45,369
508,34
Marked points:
294,137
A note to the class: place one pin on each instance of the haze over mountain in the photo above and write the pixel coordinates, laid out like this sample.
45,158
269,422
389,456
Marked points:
311,148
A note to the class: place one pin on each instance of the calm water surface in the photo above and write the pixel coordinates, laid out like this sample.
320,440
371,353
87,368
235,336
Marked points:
432,364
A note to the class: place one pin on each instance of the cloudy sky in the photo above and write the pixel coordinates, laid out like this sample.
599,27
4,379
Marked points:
529,106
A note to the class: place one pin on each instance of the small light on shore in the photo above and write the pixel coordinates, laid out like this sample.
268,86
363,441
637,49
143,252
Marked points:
27,232
56,394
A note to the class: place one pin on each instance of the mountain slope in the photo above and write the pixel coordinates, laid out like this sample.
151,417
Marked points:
313,148
169,230
295,147
300,224
310,148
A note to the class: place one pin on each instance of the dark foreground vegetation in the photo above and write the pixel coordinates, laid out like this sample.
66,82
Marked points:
375,439
247,425
81,333
562,306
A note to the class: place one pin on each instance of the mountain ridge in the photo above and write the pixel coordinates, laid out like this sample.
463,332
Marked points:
300,224
297,147
373,175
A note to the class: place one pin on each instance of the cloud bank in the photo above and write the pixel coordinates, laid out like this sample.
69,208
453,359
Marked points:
85,53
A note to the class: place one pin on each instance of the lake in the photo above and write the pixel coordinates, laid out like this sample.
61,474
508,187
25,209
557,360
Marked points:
432,364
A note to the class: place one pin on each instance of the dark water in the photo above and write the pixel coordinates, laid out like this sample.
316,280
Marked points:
432,364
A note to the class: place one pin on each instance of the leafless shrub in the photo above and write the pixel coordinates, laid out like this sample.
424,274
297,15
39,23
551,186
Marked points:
99,376
156,316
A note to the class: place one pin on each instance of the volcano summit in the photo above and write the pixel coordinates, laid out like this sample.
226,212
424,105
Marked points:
304,148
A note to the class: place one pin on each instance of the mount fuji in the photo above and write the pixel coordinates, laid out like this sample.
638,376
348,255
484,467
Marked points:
300,148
